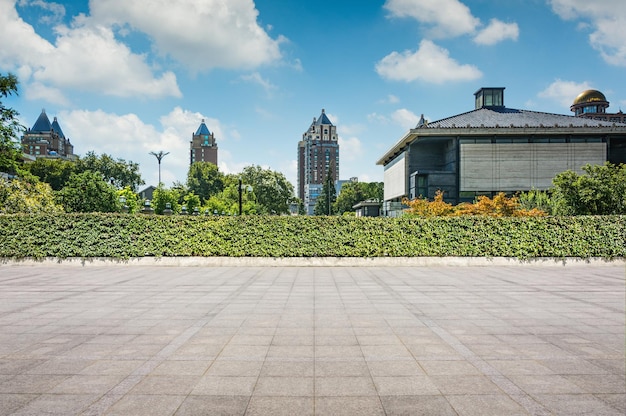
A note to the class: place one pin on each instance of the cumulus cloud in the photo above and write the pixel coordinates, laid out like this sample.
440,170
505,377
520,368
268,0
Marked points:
564,92
405,118
390,99
496,32
447,17
430,63
256,78
84,56
351,148
607,20
56,11
450,18
201,35
128,137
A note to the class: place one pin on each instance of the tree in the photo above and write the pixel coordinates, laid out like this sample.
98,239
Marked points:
10,128
351,193
131,199
204,179
162,196
324,203
601,190
117,172
55,172
273,191
88,192
19,195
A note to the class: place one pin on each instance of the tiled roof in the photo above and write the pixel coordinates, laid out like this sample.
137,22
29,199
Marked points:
322,119
42,125
57,128
510,117
203,130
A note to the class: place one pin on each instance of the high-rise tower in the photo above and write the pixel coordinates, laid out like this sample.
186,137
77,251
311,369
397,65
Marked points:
318,151
202,146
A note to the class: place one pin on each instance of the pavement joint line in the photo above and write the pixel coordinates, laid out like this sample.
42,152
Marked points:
506,385
315,261
121,389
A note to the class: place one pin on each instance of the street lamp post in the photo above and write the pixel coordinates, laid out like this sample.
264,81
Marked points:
159,155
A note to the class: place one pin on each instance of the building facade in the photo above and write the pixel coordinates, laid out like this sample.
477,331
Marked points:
494,149
318,151
202,147
46,139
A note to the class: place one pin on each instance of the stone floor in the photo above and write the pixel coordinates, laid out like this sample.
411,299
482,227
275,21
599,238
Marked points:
312,340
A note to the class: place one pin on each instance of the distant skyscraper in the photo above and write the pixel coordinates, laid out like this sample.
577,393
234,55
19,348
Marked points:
202,146
317,151
46,139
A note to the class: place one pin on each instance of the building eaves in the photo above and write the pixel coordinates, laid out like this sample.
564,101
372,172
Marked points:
510,117
502,122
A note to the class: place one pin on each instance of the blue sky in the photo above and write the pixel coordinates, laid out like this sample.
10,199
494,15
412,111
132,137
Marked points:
130,77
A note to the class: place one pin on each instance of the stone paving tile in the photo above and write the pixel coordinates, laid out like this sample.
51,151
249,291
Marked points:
146,405
315,340
577,404
56,404
417,406
348,406
279,406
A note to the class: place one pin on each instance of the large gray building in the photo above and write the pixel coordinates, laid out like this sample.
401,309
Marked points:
494,149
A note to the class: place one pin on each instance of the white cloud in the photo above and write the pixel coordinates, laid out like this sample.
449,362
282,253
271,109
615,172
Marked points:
256,78
128,137
448,17
37,91
84,56
405,118
564,92
390,99
56,10
430,63
350,149
497,31
89,58
607,19
377,118
199,34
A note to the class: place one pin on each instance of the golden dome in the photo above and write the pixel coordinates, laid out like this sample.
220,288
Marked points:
589,96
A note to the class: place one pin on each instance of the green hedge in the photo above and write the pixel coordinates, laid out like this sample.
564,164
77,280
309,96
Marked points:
125,236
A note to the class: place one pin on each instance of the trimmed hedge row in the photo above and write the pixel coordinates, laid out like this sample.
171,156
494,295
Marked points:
125,236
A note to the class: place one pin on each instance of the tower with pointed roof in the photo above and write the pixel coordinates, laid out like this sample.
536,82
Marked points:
202,147
317,152
46,139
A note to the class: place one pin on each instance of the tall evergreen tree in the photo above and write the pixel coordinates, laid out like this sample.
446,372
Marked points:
326,199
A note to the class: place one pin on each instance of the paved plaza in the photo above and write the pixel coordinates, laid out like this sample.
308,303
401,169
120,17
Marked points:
148,340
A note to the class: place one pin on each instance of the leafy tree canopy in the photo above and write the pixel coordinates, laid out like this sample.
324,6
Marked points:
10,128
117,172
88,192
273,191
55,172
352,193
204,179
24,196
601,190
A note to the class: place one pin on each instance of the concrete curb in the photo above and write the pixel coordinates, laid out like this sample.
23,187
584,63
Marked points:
316,261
